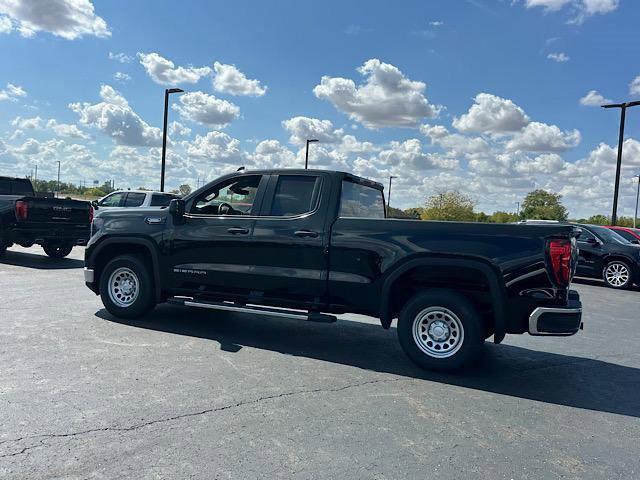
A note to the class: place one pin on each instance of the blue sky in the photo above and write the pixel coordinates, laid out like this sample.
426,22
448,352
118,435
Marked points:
489,97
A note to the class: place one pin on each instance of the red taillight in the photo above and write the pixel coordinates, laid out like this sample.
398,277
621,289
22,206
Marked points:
560,252
22,210
90,215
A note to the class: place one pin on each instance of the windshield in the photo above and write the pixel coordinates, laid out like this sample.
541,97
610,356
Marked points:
609,235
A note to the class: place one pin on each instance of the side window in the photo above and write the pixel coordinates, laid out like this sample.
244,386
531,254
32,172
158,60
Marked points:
112,200
295,195
134,199
234,196
158,200
626,235
585,236
360,201
21,187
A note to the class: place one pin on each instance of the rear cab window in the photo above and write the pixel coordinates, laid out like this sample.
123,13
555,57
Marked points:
295,195
15,186
160,200
360,201
134,199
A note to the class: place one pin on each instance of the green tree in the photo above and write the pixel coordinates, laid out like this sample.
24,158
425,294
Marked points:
503,217
598,219
184,190
449,206
543,205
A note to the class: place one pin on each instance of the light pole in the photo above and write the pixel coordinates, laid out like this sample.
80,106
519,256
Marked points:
164,131
306,155
391,177
517,209
58,192
623,111
637,197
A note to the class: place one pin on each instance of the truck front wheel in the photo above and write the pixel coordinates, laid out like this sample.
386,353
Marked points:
57,250
440,330
126,287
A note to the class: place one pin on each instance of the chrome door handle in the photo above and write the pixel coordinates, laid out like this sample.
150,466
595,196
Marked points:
305,234
238,230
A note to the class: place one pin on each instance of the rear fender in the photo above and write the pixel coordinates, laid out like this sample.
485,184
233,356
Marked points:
496,288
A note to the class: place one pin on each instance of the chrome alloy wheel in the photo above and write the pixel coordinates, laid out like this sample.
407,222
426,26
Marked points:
123,287
616,274
438,332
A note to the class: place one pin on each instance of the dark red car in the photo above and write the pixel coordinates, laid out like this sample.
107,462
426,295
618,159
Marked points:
628,233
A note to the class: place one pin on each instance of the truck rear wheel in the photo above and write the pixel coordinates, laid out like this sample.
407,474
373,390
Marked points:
126,287
57,250
440,330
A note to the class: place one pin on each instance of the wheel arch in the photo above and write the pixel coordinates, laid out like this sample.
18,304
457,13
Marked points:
486,270
113,247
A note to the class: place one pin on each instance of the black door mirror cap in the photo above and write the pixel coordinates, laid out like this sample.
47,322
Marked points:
176,207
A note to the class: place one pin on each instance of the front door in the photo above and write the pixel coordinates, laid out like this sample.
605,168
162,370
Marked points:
589,254
209,251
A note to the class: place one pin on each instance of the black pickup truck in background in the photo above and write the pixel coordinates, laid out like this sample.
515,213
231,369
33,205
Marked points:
54,223
310,243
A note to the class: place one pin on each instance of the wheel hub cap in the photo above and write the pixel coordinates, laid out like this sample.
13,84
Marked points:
438,332
123,287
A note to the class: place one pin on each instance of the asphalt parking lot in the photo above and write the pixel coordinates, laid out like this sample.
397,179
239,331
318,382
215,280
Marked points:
201,394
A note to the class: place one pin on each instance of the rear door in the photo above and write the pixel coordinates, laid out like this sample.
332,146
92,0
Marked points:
290,238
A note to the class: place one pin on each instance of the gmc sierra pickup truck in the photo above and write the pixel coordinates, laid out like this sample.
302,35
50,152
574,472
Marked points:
55,223
310,244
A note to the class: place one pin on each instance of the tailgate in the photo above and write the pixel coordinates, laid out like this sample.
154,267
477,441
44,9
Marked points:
58,211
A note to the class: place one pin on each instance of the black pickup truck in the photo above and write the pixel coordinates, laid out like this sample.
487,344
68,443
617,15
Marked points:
55,223
311,243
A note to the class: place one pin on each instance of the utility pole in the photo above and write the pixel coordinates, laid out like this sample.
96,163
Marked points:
518,209
58,189
164,131
635,217
306,155
623,112
391,177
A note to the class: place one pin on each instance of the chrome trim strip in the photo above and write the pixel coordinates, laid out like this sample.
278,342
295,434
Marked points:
88,275
234,308
533,319
525,276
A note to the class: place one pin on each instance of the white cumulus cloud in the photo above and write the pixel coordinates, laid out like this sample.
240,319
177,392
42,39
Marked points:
540,137
386,99
12,92
228,79
559,57
303,128
594,99
164,72
206,109
492,114
114,117
69,19
634,86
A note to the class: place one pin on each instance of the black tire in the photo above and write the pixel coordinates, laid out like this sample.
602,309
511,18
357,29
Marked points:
134,270
464,333
57,250
617,282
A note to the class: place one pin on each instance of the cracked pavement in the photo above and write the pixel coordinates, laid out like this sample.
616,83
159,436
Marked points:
199,394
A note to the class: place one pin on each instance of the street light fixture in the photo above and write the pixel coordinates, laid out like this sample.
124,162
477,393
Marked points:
306,155
391,177
623,111
164,131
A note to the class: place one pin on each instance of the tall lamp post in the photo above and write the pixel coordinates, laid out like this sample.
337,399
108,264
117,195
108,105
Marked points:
164,131
637,198
58,188
623,111
306,155
391,177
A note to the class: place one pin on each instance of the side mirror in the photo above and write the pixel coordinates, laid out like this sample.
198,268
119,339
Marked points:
635,241
593,241
176,208
94,204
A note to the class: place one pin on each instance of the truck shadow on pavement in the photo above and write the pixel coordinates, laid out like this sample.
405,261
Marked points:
40,262
504,369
